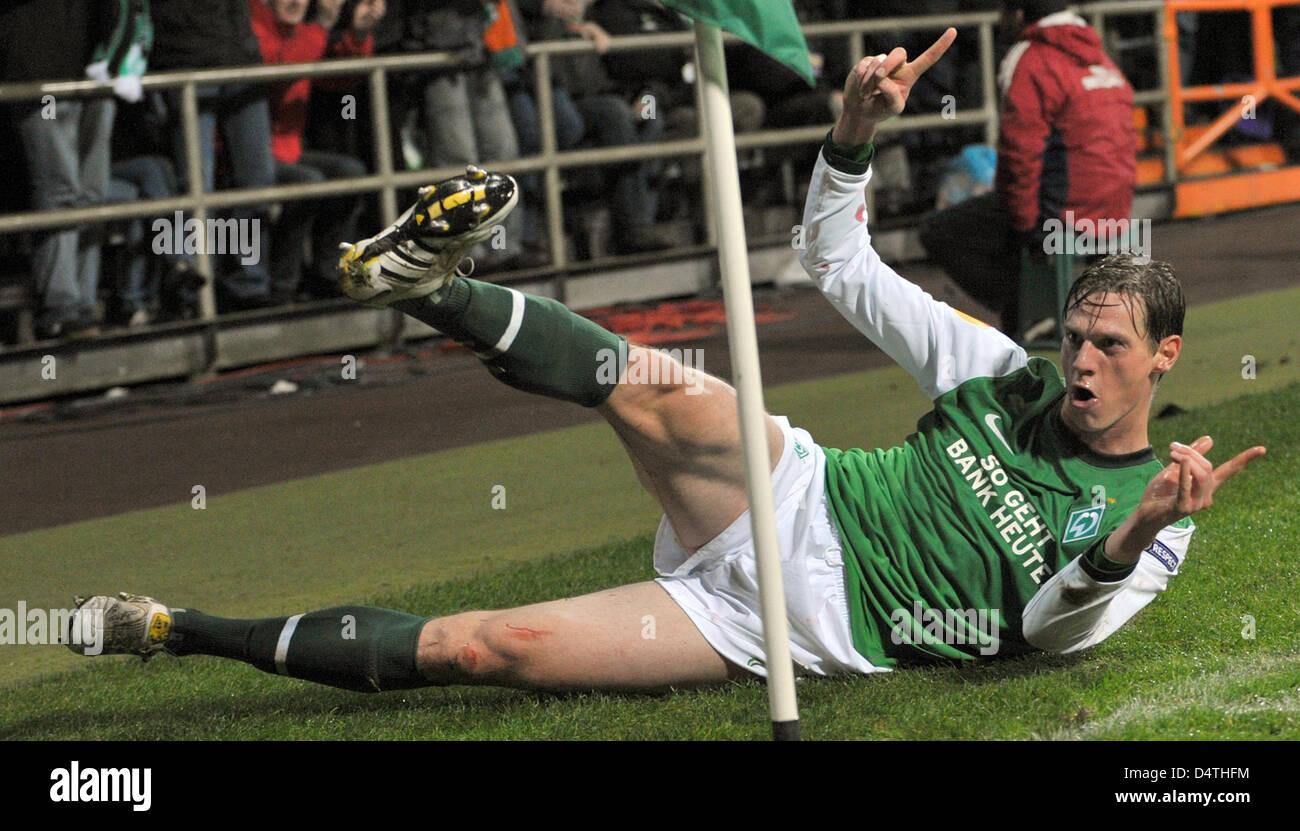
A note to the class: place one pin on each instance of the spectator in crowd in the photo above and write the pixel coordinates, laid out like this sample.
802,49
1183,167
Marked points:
465,117
284,37
405,90
660,84
588,107
916,159
941,80
194,34
352,135
788,100
505,39
1066,144
666,76
65,143
762,90
156,278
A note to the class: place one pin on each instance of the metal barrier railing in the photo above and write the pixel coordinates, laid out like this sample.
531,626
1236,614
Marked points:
1182,150
386,180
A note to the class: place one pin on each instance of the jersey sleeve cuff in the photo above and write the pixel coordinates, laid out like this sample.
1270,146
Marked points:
855,159
1101,568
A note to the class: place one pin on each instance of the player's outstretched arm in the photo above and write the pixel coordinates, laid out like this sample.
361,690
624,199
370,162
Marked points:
937,345
1185,486
1080,606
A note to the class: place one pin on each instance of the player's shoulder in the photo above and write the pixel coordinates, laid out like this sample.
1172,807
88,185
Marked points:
1010,406
1022,387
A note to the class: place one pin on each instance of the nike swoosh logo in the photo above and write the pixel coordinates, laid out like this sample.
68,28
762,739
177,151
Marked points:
992,421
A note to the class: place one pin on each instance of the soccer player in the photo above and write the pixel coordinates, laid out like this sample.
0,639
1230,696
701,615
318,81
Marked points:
1028,511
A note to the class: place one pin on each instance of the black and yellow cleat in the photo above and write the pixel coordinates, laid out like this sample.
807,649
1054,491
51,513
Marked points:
129,624
417,254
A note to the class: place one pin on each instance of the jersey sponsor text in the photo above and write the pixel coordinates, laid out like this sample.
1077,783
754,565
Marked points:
1018,522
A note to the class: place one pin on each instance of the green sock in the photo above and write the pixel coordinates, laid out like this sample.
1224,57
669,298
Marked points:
534,344
353,647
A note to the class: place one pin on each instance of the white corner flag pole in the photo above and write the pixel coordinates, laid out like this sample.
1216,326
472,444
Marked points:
743,337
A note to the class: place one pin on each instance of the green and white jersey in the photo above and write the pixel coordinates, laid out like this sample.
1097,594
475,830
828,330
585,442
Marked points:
979,534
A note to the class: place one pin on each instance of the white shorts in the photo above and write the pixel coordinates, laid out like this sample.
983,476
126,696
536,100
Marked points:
717,586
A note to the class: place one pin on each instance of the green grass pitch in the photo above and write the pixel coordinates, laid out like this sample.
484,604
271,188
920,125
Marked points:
575,522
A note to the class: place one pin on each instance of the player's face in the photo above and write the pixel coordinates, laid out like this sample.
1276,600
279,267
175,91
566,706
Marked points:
290,12
1111,371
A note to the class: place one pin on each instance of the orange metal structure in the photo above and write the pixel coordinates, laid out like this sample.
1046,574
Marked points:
1259,187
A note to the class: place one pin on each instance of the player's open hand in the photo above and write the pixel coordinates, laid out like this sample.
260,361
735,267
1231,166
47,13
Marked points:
877,89
1188,482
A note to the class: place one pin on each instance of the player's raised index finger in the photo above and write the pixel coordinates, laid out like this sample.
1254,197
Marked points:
1233,466
935,52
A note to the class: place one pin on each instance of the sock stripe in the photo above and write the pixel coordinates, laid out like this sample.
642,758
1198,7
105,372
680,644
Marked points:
516,322
282,645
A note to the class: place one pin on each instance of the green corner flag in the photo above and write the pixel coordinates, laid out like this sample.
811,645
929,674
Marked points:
768,25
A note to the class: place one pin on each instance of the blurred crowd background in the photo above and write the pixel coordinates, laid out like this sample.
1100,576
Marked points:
482,109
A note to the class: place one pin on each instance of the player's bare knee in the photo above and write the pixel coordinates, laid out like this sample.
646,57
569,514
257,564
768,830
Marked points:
514,645
665,401
451,651
432,653
654,379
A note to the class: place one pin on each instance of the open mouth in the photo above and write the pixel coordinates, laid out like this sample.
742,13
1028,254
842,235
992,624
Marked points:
1081,396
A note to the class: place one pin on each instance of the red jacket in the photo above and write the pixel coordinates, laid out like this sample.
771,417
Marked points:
1067,140
303,43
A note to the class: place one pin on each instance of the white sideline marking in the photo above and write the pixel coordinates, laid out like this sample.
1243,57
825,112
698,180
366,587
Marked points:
1227,691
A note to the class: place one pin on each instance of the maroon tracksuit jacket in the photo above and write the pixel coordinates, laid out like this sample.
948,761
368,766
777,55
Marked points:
1067,140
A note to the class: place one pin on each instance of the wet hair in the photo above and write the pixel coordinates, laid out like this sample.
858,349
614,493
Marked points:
1151,281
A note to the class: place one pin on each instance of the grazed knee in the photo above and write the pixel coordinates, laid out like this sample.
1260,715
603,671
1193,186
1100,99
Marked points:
478,647
450,651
